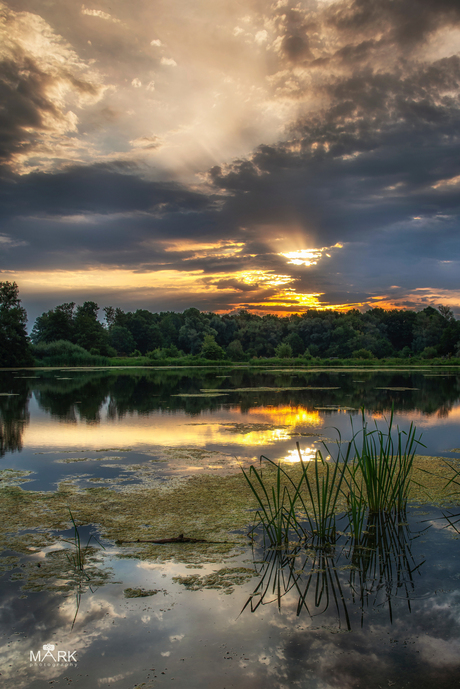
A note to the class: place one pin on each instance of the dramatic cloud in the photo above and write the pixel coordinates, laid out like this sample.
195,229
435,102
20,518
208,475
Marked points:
287,156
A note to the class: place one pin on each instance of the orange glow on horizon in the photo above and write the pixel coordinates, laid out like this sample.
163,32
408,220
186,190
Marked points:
271,293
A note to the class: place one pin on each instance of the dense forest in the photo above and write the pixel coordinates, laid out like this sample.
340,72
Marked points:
69,329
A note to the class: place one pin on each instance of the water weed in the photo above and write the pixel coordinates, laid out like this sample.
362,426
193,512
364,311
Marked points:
380,475
371,475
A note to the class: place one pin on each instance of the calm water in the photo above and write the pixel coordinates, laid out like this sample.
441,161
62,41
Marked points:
388,615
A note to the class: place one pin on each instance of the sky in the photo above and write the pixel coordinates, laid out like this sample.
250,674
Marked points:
273,156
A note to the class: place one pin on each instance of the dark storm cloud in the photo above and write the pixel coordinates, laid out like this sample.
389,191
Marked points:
342,168
371,161
100,188
407,21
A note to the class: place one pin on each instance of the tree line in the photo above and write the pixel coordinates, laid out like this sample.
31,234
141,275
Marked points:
377,333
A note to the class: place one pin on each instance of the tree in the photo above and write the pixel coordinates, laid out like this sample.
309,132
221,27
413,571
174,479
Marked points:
56,324
296,343
283,351
210,349
235,351
121,339
14,344
89,333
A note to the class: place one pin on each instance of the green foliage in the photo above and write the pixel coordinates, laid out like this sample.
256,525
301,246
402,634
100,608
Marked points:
295,342
235,351
283,351
64,353
121,339
327,336
429,353
14,345
56,324
362,354
89,332
211,350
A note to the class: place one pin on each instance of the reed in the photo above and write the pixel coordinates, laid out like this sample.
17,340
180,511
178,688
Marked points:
380,474
319,492
276,511
78,558
373,475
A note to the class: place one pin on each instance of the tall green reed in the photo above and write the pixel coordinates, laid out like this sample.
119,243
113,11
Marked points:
380,475
372,474
304,507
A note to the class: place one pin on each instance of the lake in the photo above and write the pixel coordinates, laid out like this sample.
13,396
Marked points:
141,455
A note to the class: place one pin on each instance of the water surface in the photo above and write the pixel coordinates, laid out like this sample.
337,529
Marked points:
385,616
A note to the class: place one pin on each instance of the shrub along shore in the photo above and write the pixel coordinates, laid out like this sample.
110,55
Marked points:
62,353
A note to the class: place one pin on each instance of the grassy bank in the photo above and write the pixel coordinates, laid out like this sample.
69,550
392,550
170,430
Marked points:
83,358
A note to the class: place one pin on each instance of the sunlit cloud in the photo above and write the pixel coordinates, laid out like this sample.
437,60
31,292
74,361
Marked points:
100,14
309,148
309,257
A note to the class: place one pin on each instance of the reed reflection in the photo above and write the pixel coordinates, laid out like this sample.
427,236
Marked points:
346,576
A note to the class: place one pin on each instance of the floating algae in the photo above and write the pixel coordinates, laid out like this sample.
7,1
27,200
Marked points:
224,579
245,428
55,572
114,449
71,460
210,507
396,389
13,477
140,593
269,389
201,394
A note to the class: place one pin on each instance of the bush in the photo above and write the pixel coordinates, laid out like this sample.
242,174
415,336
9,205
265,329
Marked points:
362,354
429,353
283,351
65,353
405,353
211,350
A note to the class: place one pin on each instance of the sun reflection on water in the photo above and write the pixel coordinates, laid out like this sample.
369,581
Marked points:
308,455
289,416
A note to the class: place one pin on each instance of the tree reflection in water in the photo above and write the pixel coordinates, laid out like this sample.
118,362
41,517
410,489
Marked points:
14,417
352,574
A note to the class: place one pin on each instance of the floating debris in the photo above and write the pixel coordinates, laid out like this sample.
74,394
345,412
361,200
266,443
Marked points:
114,449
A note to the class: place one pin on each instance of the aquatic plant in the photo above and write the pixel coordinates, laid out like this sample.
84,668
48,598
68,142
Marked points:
323,490
380,474
78,558
303,508
373,475
276,507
